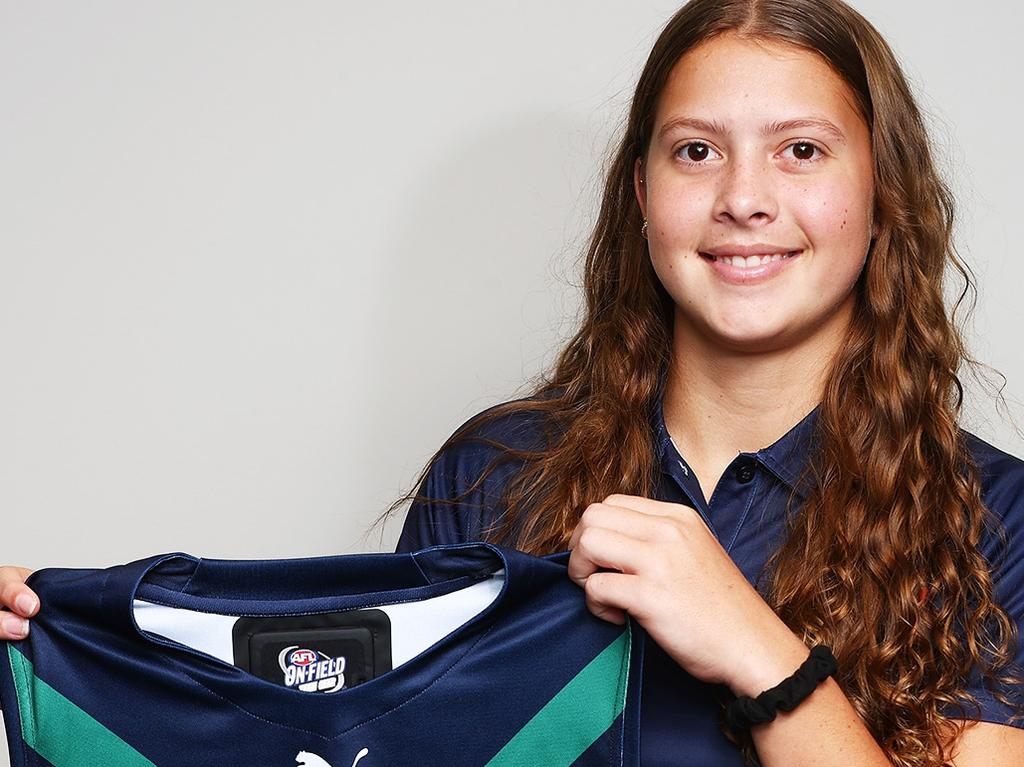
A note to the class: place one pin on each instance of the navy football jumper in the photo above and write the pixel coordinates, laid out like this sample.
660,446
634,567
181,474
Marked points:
470,654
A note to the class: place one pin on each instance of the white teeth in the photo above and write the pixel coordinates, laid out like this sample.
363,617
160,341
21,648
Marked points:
751,261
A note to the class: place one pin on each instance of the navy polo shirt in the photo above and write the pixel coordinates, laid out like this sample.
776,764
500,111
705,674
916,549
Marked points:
746,511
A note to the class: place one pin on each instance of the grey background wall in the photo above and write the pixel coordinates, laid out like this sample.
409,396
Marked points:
257,260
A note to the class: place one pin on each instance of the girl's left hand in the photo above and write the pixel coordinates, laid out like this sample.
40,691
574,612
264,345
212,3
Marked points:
669,572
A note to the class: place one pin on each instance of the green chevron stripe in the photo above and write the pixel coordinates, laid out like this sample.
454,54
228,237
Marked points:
578,715
61,732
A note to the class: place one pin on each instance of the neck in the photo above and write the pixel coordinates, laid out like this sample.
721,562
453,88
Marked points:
720,402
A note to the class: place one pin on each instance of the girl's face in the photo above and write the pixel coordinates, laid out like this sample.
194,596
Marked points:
757,150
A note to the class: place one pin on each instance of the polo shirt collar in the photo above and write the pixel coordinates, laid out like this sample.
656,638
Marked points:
786,458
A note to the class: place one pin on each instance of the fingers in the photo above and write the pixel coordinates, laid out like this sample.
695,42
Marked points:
607,516
609,594
599,547
642,518
17,598
618,541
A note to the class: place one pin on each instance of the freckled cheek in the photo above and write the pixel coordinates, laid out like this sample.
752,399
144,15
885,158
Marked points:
831,214
835,221
677,222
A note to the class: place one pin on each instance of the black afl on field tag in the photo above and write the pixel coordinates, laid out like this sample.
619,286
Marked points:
326,652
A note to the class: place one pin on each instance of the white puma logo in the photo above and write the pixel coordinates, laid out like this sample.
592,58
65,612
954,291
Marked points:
306,759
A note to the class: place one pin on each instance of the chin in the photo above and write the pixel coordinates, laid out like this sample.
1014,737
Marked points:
754,338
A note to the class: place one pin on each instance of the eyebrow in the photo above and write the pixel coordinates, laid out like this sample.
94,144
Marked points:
768,129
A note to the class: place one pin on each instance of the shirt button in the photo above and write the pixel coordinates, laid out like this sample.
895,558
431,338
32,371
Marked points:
745,472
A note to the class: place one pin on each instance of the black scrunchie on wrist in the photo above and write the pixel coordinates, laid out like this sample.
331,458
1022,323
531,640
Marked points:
745,712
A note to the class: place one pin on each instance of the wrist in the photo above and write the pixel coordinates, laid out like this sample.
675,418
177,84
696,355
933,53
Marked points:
765,667
745,711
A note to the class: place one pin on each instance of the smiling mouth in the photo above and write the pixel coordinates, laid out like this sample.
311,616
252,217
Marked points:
750,262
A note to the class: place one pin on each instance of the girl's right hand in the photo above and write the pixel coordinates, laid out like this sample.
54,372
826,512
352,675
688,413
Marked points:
19,599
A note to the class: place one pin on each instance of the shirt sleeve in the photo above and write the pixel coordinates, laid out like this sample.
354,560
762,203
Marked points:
1003,494
451,510
430,522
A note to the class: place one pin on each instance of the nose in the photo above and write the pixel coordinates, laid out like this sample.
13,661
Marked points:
746,193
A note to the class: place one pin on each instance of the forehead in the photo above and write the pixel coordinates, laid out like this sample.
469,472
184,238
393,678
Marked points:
743,81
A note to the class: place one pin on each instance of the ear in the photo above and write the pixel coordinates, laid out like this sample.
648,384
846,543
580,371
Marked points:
639,185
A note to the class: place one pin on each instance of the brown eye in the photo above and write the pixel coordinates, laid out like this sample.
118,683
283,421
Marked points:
803,150
697,152
694,153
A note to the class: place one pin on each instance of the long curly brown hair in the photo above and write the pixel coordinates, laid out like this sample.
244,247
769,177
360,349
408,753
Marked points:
881,561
